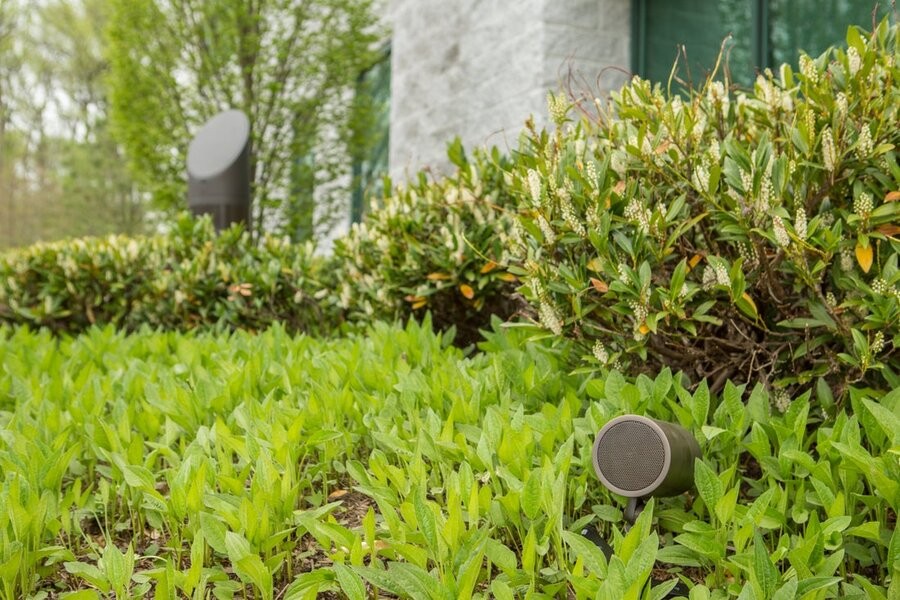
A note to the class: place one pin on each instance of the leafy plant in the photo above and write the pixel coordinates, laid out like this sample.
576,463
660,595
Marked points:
190,277
163,464
435,246
729,234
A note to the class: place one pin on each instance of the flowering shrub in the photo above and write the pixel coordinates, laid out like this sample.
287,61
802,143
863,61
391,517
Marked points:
188,278
743,235
435,246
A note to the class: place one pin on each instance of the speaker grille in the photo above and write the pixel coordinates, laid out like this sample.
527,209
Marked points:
631,455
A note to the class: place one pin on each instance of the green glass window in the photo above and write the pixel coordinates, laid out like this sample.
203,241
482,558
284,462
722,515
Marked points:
372,132
764,33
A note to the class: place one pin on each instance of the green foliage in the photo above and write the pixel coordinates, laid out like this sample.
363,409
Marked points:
746,235
288,65
435,246
181,465
62,174
190,277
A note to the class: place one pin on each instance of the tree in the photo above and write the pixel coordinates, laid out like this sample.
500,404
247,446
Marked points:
290,65
61,173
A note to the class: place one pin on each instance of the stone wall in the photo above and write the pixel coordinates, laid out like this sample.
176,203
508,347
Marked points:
479,68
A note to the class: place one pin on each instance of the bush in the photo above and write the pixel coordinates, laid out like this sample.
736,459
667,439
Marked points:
438,246
188,278
748,235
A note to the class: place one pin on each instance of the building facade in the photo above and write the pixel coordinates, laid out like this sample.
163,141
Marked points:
478,68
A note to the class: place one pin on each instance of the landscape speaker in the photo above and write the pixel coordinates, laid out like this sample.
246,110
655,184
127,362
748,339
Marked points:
637,457
218,168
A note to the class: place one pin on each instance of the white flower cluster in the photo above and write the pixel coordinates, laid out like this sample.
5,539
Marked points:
701,177
550,317
623,272
591,173
781,234
877,344
846,260
880,286
558,107
722,277
699,128
718,96
600,352
714,150
568,212
547,230
637,213
640,312
800,223
781,400
853,60
828,151
534,186
862,205
810,117
709,278
864,145
841,101
808,69
593,217
749,255
830,300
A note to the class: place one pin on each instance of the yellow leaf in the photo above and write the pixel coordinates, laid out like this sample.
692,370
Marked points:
750,301
864,257
467,291
490,266
337,494
508,277
694,260
437,277
414,299
419,304
599,285
595,265
643,328
892,197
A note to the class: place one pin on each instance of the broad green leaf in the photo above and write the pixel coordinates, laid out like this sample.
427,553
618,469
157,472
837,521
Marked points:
350,582
708,485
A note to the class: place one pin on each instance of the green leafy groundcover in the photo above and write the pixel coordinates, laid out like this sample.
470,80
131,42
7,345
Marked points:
177,465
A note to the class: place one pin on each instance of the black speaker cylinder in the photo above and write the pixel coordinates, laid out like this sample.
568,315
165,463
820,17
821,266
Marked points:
635,456
218,164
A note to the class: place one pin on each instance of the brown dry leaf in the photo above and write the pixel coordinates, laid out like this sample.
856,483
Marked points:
892,197
467,291
864,257
437,277
600,286
663,147
888,229
619,188
490,266
337,494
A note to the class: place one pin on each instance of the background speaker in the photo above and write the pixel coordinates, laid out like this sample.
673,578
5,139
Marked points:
635,457
218,165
